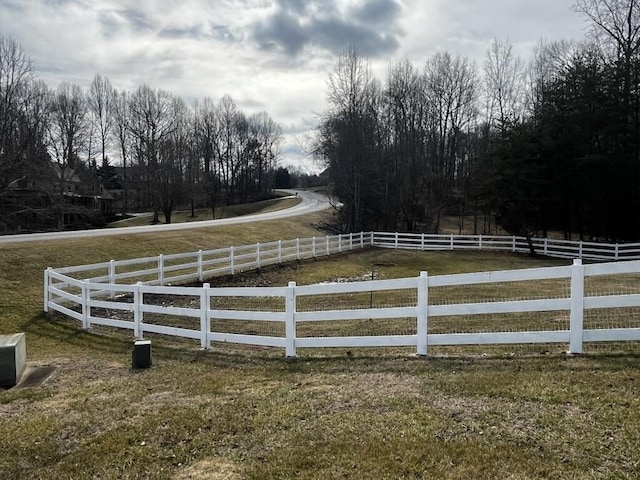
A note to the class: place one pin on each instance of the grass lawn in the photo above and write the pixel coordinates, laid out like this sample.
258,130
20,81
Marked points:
238,412
182,216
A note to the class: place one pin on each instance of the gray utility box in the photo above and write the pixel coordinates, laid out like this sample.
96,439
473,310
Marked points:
141,355
13,358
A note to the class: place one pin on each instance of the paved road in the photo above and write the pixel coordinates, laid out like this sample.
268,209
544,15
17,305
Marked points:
311,202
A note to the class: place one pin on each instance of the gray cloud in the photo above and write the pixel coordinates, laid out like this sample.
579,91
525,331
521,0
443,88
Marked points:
377,12
336,34
110,26
58,3
295,6
136,19
197,49
177,33
113,22
370,27
223,33
282,30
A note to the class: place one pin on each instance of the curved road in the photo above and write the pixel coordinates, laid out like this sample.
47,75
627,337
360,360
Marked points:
311,202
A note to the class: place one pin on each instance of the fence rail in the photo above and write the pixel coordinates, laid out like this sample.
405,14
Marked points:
122,294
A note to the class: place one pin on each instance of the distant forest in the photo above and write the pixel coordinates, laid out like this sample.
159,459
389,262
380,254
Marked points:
552,146
71,156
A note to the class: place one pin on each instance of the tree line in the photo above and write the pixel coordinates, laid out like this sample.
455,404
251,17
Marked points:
551,145
209,154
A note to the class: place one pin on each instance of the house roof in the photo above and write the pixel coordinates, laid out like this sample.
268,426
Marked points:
65,173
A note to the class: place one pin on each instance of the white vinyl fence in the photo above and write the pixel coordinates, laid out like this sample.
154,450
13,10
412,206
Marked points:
542,246
576,303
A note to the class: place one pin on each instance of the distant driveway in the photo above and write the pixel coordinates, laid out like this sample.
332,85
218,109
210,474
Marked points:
311,202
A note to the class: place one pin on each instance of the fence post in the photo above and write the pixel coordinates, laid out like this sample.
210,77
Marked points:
422,242
112,276
339,243
258,255
373,239
279,251
290,320
200,266
546,246
137,311
161,270
350,241
361,240
423,315
479,242
576,322
513,243
204,317
313,247
232,267
85,307
451,241
328,246
297,248
46,289
396,240
580,250
617,251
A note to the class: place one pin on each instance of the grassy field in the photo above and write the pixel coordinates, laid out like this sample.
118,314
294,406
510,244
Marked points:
239,412
182,216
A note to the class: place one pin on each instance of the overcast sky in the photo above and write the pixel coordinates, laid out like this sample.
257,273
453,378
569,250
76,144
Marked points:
271,55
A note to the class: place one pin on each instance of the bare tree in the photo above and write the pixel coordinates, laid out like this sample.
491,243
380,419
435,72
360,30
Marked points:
345,135
68,125
68,131
124,139
616,27
17,128
615,23
207,131
237,152
451,91
174,155
266,136
550,60
504,84
101,107
151,122
407,168
23,156
398,156
233,126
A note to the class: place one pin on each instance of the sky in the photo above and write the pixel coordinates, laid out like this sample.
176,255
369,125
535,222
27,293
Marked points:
268,55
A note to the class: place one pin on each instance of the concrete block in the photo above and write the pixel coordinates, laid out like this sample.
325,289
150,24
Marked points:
13,358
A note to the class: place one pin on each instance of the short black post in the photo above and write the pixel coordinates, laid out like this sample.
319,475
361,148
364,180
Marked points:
141,355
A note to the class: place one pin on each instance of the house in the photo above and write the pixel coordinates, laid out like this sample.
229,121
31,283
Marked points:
55,196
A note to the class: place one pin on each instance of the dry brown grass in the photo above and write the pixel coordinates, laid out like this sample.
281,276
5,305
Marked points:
245,412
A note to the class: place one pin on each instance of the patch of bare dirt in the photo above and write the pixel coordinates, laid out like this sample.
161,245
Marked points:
210,469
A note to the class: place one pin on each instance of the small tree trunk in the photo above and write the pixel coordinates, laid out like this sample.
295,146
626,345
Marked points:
532,250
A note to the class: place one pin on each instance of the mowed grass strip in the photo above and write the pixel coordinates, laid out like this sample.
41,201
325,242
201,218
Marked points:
202,214
244,412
